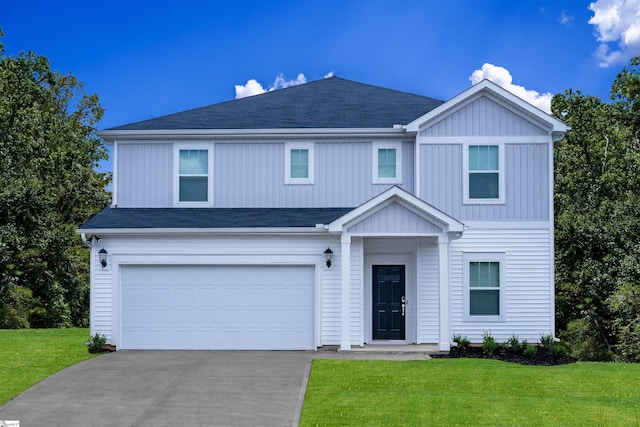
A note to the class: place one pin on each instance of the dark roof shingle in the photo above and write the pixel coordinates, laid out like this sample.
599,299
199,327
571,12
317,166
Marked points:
211,218
328,103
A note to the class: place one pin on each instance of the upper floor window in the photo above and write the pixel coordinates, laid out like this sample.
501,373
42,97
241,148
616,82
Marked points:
484,286
193,166
484,174
387,163
299,161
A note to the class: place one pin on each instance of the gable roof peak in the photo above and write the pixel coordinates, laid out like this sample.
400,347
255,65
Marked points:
490,88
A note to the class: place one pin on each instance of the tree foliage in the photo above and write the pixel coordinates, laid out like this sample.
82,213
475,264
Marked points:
48,187
597,220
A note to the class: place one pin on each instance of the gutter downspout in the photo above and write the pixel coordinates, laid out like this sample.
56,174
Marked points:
84,240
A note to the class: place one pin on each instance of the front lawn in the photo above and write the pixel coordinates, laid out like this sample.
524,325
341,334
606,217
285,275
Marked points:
468,392
30,355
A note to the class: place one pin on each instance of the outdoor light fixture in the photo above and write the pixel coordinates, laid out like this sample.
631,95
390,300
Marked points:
102,253
328,256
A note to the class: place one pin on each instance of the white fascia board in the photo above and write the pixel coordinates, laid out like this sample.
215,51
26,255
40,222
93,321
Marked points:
410,201
251,134
489,88
165,231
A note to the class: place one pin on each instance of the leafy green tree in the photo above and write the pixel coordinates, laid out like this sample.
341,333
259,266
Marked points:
597,215
48,187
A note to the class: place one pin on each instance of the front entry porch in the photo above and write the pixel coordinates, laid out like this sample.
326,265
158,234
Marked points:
394,272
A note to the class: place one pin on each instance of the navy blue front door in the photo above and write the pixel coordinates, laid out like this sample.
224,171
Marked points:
388,302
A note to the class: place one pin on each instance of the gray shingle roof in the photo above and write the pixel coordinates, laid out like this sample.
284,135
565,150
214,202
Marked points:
328,103
137,218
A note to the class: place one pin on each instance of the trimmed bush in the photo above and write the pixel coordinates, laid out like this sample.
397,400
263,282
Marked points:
489,344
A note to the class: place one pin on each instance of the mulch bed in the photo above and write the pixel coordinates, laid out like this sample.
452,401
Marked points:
543,356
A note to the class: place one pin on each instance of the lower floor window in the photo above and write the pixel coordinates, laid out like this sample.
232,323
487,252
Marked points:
484,285
484,288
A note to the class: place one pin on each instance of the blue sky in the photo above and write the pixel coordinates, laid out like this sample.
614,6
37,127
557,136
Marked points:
149,58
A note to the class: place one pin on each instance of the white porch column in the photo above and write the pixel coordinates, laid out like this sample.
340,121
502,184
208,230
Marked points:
345,342
443,303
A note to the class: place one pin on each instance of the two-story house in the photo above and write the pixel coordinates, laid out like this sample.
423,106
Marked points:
329,213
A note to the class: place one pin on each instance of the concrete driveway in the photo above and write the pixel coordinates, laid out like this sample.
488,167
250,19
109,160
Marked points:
170,388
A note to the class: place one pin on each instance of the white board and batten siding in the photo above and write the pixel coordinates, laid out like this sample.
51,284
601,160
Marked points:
394,219
251,174
483,116
144,175
529,290
527,156
527,183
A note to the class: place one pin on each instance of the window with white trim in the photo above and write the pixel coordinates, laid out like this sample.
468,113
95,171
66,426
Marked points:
387,163
484,278
299,161
484,173
193,164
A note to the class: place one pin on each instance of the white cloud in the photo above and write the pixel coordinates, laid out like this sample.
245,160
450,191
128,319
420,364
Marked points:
329,74
251,88
502,77
254,88
616,21
281,83
564,18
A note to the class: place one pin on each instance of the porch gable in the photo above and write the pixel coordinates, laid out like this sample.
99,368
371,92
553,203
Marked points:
395,211
394,218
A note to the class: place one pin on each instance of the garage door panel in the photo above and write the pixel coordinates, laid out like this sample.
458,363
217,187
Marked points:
217,307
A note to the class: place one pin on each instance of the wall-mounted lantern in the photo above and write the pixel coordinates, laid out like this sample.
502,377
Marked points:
328,256
102,253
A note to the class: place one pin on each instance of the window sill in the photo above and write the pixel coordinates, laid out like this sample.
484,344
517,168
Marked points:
483,202
490,319
192,205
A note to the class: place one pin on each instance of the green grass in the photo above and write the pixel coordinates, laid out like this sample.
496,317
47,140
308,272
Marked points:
471,392
30,355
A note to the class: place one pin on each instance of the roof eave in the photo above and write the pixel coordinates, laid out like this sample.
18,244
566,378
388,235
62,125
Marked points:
111,135
183,231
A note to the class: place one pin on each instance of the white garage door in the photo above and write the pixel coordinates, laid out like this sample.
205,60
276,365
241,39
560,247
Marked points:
217,307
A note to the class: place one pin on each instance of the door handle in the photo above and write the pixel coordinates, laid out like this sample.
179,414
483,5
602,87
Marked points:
404,304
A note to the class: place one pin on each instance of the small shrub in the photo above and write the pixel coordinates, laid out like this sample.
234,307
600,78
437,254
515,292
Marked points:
463,343
514,342
489,344
529,350
559,349
96,342
547,341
